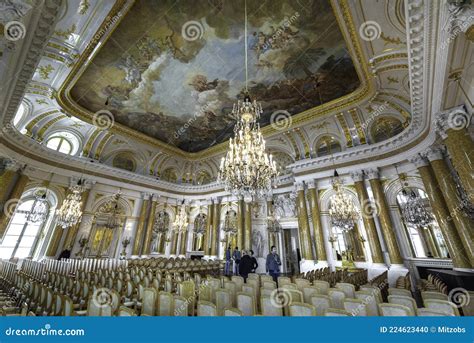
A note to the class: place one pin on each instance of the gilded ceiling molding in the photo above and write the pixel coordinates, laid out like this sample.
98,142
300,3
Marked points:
345,128
307,152
297,152
89,143
357,123
30,126
45,127
345,21
100,148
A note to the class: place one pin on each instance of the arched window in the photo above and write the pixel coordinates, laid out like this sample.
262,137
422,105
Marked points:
22,233
19,115
425,240
327,145
384,128
63,142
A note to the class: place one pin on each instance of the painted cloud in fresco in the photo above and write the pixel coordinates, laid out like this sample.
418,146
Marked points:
157,80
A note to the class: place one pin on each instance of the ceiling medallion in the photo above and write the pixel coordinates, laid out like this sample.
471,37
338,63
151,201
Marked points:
71,210
247,169
343,213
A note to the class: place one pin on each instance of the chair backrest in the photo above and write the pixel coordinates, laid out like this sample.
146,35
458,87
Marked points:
269,284
264,278
149,300
124,311
433,295
223,300
308,292
206,309
399,291
68,306
249,289
165,304
253,276
233,312
180,306
356,307
246,304
301,283
269,307
289,286
337,297
298,309
94,308
442,305
283,280
403,300
391,310
374,290
186,289
369,299
265,292
430,312
347,288
321,303
323,286
239,281
232,288
335,312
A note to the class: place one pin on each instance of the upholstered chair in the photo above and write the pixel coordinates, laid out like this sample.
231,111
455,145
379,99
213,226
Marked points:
206,309
347,288
180,306
124,311
323,286
421,312
369,298
399,291
264,278
335,312
441,305
246,304
269,284
149,301
298,309
321,303
232,312
356,307
308,292
337,297
223,300
239,281
269,308
301,283
283,280
403,300
390,310
165,304
433,295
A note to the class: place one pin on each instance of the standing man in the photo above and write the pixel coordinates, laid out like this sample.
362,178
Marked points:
273,264
228,259
236,257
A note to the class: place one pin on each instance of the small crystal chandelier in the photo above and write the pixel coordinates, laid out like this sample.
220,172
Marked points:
247,169
200,224
114,221
181,221
230,224
414,210
161,224
343,213
39,213
71,210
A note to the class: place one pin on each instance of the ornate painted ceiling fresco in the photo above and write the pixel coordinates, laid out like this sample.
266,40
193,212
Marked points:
173,69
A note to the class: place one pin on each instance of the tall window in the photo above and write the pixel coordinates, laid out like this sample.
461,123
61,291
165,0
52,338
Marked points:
63,142
21,234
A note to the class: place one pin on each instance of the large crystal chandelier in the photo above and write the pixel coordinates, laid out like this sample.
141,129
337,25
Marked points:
181,221
230,224
39,213
247,169
414,210
71,210
342,211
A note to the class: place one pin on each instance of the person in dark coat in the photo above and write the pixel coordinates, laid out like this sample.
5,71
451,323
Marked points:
247,265
254,261
273,264
64,254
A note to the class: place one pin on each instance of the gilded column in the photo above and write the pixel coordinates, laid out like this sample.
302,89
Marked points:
316,220
174,242
441,213
137,244
446,184
207,235
452,127
149,227
240,223
303,224
14,196
384,217
271,235
248,226
7,181
216,215
368,217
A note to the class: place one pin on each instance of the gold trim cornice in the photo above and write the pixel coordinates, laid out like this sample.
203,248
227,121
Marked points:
345,22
